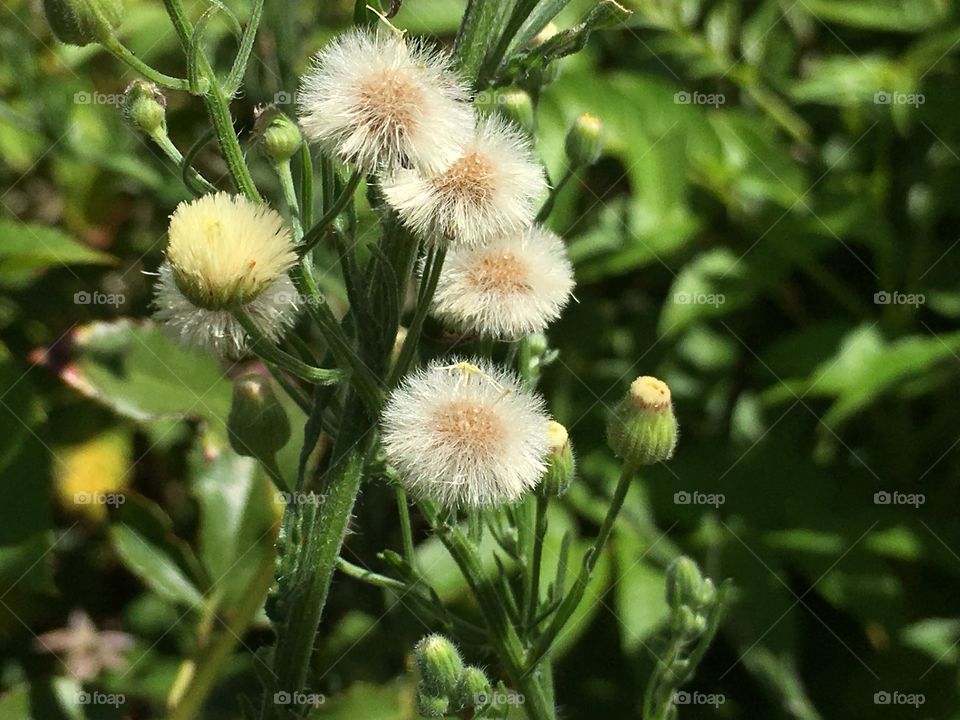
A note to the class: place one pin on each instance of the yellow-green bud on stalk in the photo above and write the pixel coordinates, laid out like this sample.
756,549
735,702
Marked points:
440,666
475,690
431,706
279,134
257,425
517,107
146,107
560,462
643,429
81,22
688,623
584,143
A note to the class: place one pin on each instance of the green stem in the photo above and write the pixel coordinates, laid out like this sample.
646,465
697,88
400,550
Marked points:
554,193
431,276
503,634
285,176
120,51
217,107
315,233
192,179
540,531
261,345
235,77
406,531
543,644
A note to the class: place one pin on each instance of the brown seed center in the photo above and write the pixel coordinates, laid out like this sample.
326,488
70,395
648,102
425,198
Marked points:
470,178
388,104
501,272
469,426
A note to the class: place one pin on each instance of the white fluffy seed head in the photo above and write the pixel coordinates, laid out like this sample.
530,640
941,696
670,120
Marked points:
465,435
274,311
491,189
382,102
510,287
225,250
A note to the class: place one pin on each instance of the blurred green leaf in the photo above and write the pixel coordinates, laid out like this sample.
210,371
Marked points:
27,249
154,566
895,15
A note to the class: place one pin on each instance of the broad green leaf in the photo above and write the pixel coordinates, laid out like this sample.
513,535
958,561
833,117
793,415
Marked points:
935,637
893,15
713,285
134,369
393,701
852,81
639,590
155,568
28,249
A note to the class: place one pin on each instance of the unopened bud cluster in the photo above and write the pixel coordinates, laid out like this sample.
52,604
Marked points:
690,596
447,686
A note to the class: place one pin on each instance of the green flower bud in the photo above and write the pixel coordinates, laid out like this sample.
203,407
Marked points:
440,665
257,425
81,22
145,107
689,623
517,107
431,706
686,585
475,690
280,135
584,143
560,463
643,429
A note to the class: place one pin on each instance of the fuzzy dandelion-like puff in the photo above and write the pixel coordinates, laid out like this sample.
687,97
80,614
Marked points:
466,434
510,287
493,188
225,254
382,102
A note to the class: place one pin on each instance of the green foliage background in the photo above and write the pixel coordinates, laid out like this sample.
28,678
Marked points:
770,167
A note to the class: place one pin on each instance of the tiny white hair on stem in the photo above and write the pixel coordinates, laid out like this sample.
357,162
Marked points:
510,287
493,188
382,101
465,433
